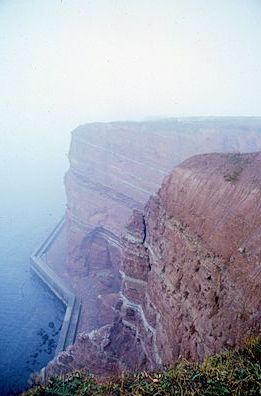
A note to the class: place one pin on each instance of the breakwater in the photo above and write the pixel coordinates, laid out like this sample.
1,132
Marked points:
73,304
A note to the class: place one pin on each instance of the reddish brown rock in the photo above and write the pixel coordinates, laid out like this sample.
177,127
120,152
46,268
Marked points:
203,234
87,353
107,306
190,269
115,167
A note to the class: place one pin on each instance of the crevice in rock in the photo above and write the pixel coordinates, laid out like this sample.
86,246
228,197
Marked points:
144,230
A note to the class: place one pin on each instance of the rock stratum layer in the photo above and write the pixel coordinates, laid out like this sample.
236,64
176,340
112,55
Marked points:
184,281
115,167
197,251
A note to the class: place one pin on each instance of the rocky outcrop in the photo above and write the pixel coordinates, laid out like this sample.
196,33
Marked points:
192,261
190,271
114,169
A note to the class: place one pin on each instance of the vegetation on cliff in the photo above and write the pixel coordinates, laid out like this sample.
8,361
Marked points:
235,372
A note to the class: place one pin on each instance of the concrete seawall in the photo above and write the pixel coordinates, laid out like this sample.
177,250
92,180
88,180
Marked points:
56,285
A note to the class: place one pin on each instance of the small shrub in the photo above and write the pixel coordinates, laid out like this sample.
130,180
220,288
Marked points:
237,162
234,176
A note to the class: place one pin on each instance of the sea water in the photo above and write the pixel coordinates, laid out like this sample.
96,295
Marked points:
31,203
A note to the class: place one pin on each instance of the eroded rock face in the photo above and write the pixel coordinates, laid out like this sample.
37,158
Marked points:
190,271
115,167
201,255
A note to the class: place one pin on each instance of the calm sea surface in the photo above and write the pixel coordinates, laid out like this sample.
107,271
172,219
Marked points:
31,203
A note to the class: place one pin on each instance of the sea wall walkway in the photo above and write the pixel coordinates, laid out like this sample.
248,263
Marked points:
57,286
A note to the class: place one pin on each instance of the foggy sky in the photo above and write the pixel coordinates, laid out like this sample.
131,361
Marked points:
63,63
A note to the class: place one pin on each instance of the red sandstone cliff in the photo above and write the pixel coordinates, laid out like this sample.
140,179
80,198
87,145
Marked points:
201,256
190,271
114,169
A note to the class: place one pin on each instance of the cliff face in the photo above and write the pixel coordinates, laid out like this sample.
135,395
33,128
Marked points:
192,260
115,167
124,163
190,271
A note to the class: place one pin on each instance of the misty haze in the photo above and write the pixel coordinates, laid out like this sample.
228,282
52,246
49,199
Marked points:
130,149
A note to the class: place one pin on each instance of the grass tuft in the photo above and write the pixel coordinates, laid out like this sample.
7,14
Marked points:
236,372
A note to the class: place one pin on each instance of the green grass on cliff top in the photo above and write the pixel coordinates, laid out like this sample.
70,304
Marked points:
236,372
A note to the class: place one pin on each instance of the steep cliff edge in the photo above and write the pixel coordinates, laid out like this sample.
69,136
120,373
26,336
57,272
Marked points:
190,271
197,251
114,169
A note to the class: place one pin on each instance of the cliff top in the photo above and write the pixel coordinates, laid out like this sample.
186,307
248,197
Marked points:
232,167
167,124
162,144
218,196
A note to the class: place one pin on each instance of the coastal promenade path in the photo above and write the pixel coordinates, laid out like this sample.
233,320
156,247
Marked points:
59,287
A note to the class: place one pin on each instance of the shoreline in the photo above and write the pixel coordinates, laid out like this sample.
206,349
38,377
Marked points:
56,285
